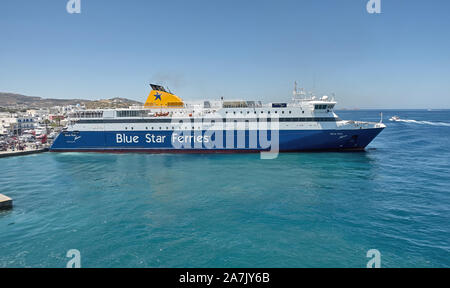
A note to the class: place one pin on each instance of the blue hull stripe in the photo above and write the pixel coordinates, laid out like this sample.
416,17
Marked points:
289,140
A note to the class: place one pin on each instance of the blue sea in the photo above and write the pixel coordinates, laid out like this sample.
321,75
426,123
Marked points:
299,210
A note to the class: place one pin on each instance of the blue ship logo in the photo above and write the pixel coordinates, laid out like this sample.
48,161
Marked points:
69,138
158,96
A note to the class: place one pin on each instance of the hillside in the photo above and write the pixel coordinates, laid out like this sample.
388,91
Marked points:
19,102
111,103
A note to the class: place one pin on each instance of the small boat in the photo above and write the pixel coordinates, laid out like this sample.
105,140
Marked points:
394,118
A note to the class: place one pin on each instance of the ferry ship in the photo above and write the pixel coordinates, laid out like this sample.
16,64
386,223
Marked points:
167,124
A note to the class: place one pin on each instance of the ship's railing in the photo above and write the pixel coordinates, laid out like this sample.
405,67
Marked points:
302,95
144,113
362,124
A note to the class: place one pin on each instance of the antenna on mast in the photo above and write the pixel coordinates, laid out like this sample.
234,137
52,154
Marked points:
298,95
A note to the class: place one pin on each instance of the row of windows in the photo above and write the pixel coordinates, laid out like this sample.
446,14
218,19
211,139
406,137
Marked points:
318,107
293,119
316,119
88,114
241,104
145,113
24,120
167,128
160,128
132,113
262,112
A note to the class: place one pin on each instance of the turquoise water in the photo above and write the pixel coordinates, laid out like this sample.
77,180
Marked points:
300,210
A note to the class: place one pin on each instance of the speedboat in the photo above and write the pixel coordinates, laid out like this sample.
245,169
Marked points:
394,118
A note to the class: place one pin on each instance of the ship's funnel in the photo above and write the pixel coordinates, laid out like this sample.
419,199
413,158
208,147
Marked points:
159,97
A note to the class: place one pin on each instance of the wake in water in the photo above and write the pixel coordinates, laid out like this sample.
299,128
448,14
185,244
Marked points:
397,119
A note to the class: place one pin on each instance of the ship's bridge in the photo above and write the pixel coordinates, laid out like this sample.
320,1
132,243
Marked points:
323,104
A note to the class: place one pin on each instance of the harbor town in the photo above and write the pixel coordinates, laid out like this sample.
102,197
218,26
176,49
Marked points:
30,124
32,129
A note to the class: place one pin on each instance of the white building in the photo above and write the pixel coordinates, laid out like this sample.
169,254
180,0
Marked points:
15,124
38,113
26,122
8,124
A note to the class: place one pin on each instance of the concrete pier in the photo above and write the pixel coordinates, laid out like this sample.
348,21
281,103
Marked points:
21,153
5,202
